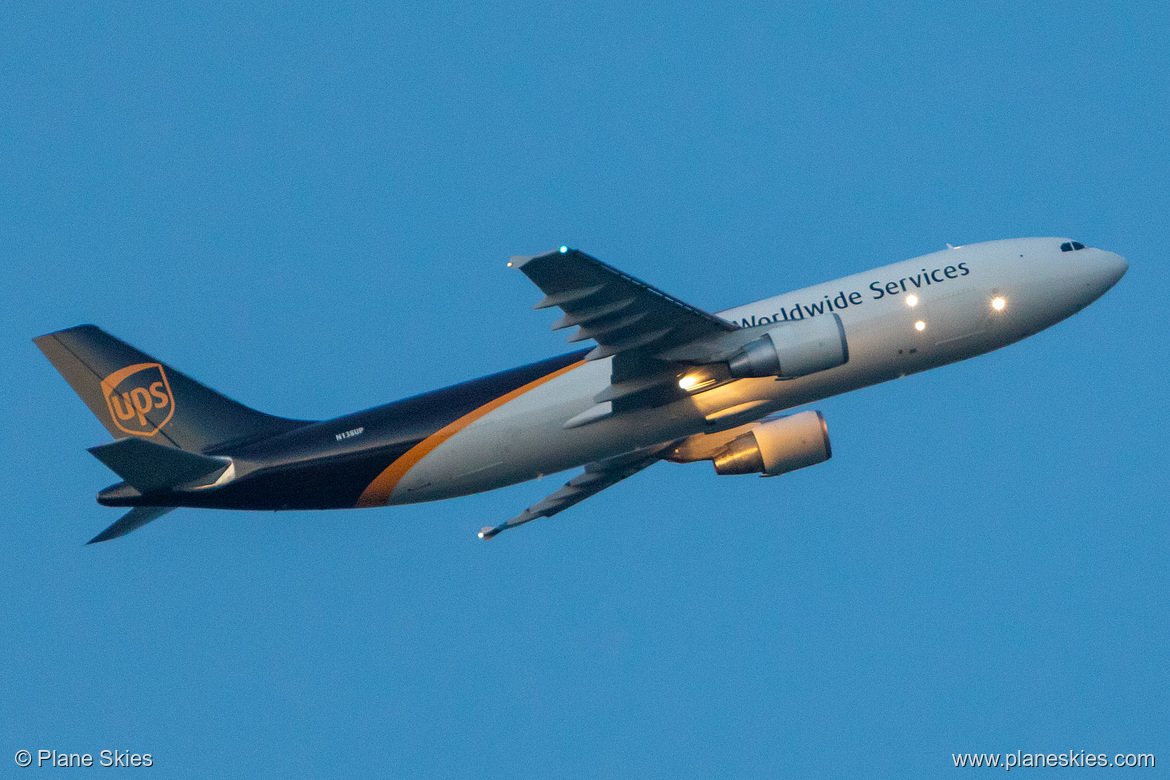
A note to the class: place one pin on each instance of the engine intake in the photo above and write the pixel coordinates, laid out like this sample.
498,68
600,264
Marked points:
777,447
794,349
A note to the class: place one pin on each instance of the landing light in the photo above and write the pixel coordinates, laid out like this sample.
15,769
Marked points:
911,300
920,325
998,303
688,381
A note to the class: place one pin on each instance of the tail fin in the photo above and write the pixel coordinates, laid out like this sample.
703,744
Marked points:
134,395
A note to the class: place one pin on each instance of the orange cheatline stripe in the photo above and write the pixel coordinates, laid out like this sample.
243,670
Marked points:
377,493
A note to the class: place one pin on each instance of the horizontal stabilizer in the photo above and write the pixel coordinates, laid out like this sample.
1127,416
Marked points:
132,520
149,467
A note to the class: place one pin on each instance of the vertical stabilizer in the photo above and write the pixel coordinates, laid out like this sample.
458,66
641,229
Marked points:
134,395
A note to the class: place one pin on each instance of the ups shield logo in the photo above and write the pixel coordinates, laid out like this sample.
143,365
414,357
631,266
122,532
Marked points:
140,398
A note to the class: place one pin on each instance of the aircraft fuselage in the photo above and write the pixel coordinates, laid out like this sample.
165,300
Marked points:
507,428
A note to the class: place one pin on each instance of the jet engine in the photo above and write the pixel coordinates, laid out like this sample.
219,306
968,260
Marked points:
777,447
794,349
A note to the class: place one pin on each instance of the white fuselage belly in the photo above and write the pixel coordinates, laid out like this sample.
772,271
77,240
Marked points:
526,438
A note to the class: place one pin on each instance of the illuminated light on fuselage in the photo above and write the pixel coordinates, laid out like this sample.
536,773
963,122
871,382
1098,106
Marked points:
920,325
564,249
998,303
911,300
688,381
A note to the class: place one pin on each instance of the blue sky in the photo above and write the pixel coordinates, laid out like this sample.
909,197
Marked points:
311,209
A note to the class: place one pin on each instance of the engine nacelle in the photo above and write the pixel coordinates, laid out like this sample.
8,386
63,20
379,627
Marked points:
794,349
777,447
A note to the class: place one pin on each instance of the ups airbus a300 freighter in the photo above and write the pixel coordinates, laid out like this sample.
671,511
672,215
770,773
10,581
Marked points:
664,381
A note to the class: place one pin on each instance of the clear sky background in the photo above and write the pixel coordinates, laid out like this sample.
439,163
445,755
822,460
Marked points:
311,211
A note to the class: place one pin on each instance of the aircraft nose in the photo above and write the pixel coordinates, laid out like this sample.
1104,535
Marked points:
1112,268
1097,271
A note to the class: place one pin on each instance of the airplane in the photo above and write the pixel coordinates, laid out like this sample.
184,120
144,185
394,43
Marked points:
661,381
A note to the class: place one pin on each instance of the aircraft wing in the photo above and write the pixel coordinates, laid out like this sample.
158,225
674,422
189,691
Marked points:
619,312
630,320
595,478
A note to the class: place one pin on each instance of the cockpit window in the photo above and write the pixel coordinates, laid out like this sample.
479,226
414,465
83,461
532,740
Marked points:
1077,245
1071,246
